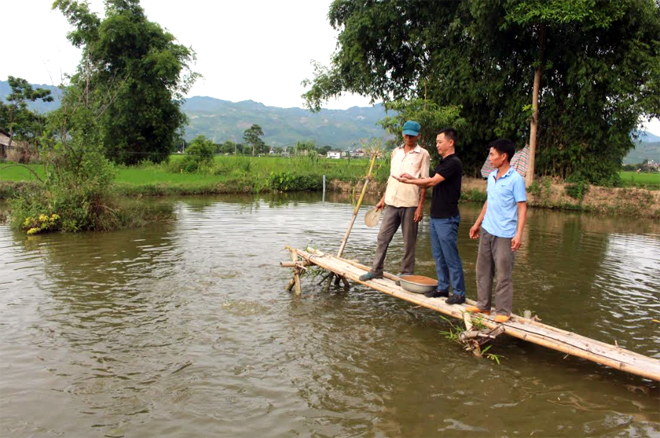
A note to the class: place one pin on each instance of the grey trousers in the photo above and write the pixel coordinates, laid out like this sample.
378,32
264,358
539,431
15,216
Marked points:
392,218
495,258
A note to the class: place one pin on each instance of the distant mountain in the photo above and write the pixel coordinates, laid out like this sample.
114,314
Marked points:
644,151
221,120
646,137
647,147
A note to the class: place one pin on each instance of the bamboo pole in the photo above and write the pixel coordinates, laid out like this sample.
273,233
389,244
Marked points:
296,272
357,206
355,213
294,264
353,263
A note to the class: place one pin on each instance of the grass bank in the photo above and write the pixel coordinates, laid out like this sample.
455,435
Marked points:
546,193
640,195
228,174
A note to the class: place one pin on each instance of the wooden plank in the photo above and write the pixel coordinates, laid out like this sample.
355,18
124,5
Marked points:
521,328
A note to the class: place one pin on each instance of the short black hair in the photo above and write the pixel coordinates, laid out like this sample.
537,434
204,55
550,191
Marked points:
504,146
450,134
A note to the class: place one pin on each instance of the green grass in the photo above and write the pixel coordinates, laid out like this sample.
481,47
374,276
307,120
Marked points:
11,172
243,170
231,168
641,180
227,174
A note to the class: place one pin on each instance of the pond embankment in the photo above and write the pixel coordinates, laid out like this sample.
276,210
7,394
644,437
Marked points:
545,193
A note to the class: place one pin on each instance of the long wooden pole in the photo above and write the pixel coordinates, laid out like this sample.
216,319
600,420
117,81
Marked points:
296,276
357,207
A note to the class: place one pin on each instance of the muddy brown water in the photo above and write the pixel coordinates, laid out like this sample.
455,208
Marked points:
185,330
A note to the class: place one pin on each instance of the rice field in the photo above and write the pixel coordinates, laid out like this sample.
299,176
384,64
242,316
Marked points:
641,180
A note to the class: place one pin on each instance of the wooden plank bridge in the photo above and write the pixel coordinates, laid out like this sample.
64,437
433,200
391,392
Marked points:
527,329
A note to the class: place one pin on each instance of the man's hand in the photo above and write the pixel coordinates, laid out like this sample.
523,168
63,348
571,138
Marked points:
516,242
474,231
380,205
404,178
419,214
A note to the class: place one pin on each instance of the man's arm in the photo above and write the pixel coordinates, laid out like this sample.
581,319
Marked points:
520,196
522,217
421,182
474,230
419,213
381,203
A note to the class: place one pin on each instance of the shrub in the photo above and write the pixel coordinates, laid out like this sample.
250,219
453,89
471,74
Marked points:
289,182
577,190
577,187
199,155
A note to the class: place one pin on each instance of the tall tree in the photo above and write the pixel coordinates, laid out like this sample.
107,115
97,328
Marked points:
252,137
305,147
15,116
138,74
599,62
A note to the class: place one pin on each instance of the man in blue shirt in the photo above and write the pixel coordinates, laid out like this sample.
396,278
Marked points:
501,223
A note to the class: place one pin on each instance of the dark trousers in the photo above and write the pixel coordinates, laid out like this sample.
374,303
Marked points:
495,258
394,217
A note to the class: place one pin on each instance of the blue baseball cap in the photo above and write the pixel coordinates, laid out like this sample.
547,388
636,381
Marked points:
411,128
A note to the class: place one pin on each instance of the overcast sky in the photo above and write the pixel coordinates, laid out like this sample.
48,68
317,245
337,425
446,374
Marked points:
257,50
248,49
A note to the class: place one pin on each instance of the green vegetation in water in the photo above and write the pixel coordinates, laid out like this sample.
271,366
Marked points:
73,189
454,332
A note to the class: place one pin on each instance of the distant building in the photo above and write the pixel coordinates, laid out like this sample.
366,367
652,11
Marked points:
16,145
334,155
4,142
358,153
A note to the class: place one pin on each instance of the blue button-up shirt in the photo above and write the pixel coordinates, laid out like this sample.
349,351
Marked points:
501,218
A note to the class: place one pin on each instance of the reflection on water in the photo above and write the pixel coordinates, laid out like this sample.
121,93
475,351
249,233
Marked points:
184,329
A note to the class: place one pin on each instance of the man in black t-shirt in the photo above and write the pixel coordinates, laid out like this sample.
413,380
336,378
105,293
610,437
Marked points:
445,217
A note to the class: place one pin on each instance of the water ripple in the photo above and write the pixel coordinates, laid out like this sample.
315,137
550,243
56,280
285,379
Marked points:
184,329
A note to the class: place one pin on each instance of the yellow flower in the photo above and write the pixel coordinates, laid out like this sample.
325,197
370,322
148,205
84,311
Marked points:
33,231
43,218
27,222
55,216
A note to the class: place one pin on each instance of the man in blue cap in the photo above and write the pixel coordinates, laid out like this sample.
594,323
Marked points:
405,202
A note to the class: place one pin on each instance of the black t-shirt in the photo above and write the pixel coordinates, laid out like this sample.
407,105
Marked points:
445,198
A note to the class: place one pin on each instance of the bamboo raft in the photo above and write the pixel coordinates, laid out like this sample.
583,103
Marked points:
527,329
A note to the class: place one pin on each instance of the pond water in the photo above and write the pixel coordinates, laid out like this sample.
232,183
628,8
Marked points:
185,329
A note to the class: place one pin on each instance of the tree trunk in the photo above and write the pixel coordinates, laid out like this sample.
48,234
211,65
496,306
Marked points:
529,176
